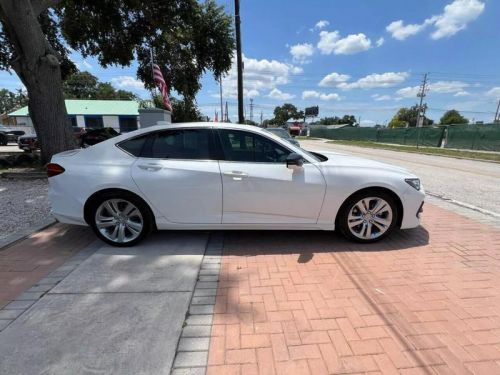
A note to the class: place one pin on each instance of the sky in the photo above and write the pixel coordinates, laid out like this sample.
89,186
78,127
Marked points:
361,57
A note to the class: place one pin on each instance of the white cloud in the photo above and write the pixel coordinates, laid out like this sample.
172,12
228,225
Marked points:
301,52
380,42
311,94
408,92
448,87
455,17
258,76
87,65
321,24
400,31
127,82
331,42
462,93
440,87
333,79
279,95
375,80
494,92
379,97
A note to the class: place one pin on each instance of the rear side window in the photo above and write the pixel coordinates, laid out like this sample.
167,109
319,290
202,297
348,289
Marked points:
187,144
133,146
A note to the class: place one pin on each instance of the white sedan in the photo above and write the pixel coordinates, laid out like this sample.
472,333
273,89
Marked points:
222,176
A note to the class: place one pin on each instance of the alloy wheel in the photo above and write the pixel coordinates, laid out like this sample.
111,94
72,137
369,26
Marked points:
119,220
370,218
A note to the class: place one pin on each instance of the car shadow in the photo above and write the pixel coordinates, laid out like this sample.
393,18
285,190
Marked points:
307,243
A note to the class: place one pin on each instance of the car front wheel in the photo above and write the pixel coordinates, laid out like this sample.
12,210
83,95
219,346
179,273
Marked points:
121,220
368,217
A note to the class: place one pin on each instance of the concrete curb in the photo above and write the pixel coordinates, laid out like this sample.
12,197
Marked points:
22,234
191,357
24,175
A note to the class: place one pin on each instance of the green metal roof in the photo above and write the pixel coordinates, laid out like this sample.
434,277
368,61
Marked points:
94,107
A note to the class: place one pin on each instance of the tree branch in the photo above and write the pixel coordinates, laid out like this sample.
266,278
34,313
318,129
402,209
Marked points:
40,5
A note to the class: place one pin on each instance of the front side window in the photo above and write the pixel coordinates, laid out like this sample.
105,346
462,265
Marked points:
245,146
191,144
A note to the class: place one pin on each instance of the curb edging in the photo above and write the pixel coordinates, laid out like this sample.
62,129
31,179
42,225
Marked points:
191,356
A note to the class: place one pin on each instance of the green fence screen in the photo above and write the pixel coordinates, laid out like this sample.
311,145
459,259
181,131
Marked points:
407,136
474,137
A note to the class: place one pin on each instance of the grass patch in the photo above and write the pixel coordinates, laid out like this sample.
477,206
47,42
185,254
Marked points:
304,138
425,150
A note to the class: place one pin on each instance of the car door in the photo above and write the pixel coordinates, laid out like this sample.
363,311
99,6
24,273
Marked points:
180,176
259,188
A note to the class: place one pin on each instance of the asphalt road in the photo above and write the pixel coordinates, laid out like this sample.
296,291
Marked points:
475,183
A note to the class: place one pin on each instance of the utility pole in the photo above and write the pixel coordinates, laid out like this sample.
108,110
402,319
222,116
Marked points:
422,107
226,114
251,109
497,114
239,61
261,117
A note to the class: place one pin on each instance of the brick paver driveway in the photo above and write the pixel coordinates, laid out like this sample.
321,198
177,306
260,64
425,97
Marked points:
426,301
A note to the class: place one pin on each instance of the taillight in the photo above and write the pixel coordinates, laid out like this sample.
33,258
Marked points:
54,169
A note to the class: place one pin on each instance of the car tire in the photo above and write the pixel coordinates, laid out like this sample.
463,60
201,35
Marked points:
368,216
3,140
112,223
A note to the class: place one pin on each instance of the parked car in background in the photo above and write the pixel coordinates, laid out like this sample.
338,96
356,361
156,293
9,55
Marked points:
95,136
9,135
282,133
204,177
84,138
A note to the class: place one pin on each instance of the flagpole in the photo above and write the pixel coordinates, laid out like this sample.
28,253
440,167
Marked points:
153,92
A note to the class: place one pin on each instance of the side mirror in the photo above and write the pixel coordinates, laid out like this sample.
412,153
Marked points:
294,161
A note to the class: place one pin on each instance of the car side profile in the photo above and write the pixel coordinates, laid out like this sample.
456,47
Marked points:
224,176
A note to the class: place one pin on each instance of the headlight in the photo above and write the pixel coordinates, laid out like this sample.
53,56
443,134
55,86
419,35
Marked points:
413,182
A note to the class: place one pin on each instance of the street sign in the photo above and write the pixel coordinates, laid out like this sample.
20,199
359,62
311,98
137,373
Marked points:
312,111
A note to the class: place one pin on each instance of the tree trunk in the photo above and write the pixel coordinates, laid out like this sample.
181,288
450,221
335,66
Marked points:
48,111
38,66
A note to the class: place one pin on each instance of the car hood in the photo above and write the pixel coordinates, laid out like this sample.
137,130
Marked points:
343,160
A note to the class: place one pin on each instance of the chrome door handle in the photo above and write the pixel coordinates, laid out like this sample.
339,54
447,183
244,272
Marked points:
236,175
150,167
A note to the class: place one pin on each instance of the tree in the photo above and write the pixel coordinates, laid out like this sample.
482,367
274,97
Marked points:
346,119
10,101
286,112
407,117
453,117
83,85
183,110
188,36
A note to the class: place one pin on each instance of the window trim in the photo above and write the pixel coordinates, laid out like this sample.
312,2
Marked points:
253,134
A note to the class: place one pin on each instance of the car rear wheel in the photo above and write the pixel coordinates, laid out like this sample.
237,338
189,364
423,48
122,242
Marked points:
3,140
368,217
121,220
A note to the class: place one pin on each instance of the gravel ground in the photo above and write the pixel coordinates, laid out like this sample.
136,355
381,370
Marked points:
473,182
23,203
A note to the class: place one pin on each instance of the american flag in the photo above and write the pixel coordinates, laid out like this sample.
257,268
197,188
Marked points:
162,85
